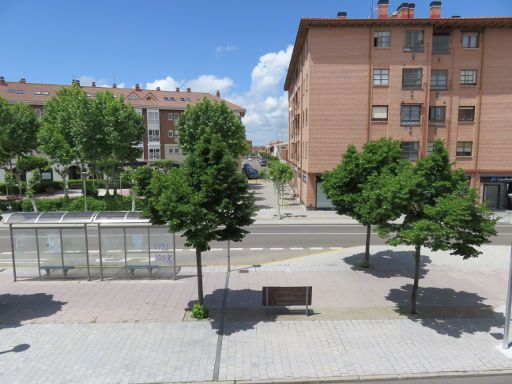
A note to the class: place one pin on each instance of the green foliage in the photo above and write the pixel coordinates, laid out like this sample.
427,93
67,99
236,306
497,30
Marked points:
30,163
18,131
10,183
200,311
112,203
164,165
77,204
280,172
217,117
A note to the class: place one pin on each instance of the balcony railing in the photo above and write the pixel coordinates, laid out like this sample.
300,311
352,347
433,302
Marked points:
154,138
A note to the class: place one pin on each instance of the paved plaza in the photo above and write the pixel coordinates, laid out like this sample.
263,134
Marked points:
140,331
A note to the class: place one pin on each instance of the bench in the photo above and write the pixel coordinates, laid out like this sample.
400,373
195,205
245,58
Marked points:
132,268
50,268
283,296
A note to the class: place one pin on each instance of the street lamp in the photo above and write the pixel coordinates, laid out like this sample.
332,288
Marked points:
84,190
508,309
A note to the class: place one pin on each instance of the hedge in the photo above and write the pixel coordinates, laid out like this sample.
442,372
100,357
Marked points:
112,203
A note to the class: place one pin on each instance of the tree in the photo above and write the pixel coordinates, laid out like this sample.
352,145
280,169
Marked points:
208,198
29,163
346,183
280,174
115,132
437,207
64,122
215,116
34,179
18,134
140,180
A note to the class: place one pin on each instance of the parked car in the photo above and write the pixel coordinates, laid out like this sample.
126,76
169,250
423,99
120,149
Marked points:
262,161
250,171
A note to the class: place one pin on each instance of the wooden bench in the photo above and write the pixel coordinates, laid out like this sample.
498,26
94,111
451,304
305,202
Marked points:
132,268
50,268
283,296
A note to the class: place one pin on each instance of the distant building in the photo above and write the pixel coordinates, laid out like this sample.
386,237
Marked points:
413,79
278,149
160,109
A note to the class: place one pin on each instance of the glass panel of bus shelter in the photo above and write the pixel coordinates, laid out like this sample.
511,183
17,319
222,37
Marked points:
137,259
73,241
112,252
25,253
162,256
50,251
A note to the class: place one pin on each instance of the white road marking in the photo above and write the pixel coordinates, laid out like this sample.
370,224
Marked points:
335,247
216,249
296,248
276,249
316,248
256,249
237,249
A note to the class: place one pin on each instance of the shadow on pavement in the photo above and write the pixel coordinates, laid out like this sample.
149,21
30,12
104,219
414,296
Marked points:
14,309
243,310
389,263
446,311
18,348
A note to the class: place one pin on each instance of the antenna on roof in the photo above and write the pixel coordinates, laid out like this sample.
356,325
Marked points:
372,9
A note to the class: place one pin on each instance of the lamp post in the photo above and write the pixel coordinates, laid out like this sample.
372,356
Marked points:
84,190
508,309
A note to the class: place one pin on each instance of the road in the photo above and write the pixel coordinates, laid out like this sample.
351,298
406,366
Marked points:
264,243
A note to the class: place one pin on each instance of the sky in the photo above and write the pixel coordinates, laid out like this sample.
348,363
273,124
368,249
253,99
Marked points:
240,47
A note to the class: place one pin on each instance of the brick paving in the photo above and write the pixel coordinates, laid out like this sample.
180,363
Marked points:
139,331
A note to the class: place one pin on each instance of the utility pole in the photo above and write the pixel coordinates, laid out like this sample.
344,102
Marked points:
372,9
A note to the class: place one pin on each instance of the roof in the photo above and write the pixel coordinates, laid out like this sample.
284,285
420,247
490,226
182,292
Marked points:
75,218
307,23
38,94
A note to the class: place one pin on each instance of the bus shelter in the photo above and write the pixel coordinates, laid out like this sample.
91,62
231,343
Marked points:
89,245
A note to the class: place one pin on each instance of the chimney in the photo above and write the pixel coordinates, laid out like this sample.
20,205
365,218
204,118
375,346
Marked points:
177,89
157,88
383,10
342,15
2,80
217,94
77,82
114,85
23,80
137,87
412,8
189,90
94,84
435,10
403,11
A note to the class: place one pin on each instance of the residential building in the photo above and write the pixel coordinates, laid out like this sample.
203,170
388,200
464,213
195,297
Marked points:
412,79
160,109
278,149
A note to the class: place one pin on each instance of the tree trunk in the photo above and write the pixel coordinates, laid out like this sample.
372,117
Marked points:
414,294
133,200
278,203
199,277
367,250
34,205
65,178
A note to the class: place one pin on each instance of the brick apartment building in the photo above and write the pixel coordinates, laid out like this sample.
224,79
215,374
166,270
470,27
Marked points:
412,79
160,110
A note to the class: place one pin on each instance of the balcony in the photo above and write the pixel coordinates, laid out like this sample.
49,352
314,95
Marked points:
154,138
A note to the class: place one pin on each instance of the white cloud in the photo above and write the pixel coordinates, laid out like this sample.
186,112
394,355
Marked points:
104,83
167,84
266,103
223,49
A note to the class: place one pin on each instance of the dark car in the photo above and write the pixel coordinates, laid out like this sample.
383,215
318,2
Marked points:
250,172
262,161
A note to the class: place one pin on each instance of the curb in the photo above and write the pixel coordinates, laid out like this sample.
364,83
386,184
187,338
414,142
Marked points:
361,378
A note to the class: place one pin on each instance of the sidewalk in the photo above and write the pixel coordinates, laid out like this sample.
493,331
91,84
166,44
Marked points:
140,331
292,212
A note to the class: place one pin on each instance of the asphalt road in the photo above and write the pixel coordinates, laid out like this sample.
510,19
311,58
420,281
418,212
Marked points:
506,379
264,243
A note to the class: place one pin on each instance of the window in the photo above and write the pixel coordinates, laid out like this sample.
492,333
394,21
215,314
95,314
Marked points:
470,40
170,133
153,153
412,78
173,116
38,112
381,76
466,113
439,79
153,135
153,118
464,148
133,96
382,39
413,41
410,150
380,113
436,115
430,147
410,114
441,43
468,77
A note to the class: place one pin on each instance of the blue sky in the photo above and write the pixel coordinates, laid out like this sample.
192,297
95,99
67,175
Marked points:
239,46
